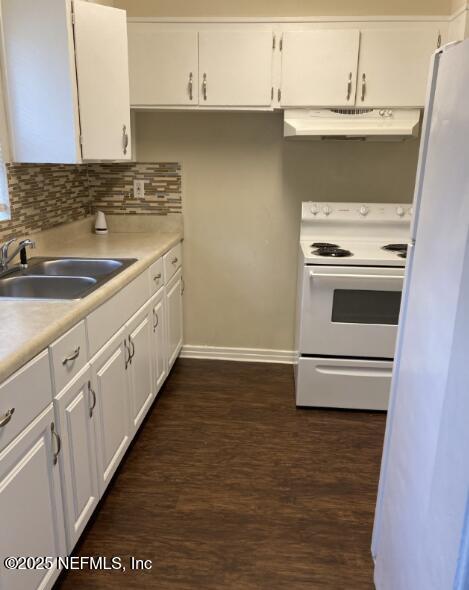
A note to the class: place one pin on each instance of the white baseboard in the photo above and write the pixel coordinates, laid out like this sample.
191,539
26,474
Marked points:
253,355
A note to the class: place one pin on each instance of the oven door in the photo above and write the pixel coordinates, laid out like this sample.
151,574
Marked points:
350,311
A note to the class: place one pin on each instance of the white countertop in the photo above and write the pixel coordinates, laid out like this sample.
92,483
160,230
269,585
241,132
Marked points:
28,326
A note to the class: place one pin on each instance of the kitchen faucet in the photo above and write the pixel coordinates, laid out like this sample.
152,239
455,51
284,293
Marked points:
6,258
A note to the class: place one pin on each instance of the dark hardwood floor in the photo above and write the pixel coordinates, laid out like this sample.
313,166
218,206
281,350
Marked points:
229,486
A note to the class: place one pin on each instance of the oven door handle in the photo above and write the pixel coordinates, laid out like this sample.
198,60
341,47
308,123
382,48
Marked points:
330,275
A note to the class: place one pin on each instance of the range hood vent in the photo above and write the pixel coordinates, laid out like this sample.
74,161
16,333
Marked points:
352,124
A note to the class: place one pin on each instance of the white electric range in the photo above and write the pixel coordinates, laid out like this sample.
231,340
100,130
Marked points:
351,272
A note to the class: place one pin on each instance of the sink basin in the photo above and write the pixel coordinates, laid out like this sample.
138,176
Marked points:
45,287
60,278
77,267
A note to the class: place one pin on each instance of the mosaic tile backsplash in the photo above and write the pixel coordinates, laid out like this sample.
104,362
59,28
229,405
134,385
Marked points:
111,188
43,196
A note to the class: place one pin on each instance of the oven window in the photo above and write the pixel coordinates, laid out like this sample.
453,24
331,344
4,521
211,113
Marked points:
366,307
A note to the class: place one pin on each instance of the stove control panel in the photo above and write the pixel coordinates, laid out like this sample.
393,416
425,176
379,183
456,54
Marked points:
357,211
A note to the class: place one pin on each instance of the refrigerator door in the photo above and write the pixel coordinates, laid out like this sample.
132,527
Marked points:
423,486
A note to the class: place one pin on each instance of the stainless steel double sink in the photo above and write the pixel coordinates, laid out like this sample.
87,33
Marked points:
60,278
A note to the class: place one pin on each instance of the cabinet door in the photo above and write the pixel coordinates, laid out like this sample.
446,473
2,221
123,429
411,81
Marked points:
394,66
141,390
75,412
158,337
174,317
103,81
235,68
31,509
319,68
163,66
110,383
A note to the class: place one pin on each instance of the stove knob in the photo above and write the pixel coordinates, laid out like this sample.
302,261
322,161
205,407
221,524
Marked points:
400,211
364,211
314,209
327,210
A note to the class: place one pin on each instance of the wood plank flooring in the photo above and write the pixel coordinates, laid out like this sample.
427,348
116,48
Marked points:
229,486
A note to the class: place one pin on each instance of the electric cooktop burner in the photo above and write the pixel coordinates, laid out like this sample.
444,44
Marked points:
333,252
396,248
324,245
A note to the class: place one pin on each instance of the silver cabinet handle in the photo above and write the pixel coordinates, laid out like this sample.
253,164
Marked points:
190,86
125,139
6,417
157,278
128,358
92,392
69,359
363,86
131,343
349,86
55,434
204,87
175,260
156,320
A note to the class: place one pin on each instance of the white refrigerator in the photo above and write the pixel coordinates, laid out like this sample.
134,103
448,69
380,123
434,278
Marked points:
421,531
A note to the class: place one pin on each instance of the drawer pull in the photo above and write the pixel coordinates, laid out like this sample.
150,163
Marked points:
93,397
55,434
69,359
6,417
175,260
157,278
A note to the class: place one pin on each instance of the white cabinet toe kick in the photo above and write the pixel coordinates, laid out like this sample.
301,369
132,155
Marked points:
68,416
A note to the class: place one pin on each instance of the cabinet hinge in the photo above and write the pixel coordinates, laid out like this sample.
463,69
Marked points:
274,41
281,43
279,95
438,41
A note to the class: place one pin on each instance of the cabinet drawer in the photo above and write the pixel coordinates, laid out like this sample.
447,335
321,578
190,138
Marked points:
68,355
105,321
156,276
24,396
172,261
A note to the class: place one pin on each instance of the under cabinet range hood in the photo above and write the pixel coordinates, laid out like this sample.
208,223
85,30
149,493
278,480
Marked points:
351,124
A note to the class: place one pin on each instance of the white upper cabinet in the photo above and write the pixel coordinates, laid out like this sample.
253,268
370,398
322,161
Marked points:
319,68
393,66
235,68
103,81
61,95
163,66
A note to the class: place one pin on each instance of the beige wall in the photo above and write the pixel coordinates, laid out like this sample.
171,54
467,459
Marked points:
242,189
282,7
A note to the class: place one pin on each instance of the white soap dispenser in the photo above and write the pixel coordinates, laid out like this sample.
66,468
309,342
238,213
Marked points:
100,225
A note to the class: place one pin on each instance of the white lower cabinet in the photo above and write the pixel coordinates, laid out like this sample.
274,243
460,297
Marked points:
158,340
59,449
174,291
110,382
75,411
140,367
31,509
